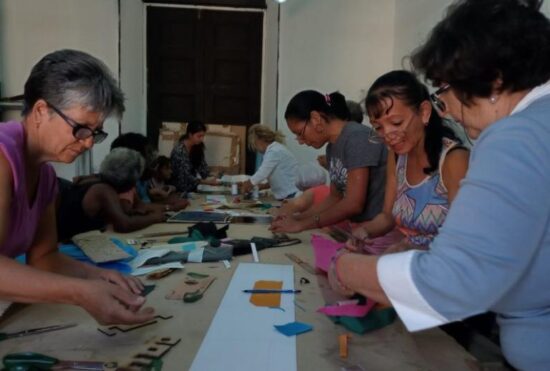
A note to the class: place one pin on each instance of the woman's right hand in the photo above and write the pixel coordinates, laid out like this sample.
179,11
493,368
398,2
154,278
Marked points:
111,304
360,238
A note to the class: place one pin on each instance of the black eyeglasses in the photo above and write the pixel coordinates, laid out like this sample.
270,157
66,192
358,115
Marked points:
301,135
80,131
438,103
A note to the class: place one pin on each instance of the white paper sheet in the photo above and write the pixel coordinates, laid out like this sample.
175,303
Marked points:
241,335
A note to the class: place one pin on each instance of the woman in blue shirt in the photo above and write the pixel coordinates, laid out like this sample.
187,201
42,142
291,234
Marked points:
490,60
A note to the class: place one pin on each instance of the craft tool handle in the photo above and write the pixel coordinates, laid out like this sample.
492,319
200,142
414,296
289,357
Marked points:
28,361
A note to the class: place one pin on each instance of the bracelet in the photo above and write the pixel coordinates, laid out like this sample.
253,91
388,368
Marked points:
317,220
334,260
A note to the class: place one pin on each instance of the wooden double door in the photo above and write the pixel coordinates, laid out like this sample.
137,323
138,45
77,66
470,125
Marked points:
203,65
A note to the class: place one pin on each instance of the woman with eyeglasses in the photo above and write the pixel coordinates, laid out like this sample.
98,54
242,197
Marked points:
492,59
357,167
425,165
67,97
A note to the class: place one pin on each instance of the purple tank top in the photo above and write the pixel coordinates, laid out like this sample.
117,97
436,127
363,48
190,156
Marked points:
23,217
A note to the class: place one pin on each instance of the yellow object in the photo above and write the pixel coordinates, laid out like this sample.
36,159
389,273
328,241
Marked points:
343,343
267,300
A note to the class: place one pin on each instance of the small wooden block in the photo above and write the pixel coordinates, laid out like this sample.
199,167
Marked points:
343,344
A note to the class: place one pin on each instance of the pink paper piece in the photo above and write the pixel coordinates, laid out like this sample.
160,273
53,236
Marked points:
348,310
324,249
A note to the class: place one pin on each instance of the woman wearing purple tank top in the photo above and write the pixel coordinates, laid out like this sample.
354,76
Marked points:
67,97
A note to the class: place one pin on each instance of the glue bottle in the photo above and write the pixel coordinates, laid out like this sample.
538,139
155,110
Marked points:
256,192
234,189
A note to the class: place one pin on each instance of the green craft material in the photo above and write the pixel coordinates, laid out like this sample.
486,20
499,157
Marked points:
374,320
195,236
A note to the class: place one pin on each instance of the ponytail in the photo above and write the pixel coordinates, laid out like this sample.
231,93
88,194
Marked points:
331,105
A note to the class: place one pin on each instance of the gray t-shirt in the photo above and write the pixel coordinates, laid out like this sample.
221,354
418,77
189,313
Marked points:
353,150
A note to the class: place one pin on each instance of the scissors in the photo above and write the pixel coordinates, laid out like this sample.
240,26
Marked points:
29,361
34,331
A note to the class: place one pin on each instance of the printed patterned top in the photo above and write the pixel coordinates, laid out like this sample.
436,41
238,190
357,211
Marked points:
421,209
184,174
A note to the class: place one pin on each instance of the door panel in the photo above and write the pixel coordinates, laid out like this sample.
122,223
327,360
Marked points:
205,65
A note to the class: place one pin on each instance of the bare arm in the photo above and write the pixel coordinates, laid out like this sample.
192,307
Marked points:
454,169
106,200
297,205
351,204
331,212
107,302
384,222
357,274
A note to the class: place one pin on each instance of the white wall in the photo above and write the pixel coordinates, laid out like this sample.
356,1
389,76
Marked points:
330,45
132,62
413,22
29,29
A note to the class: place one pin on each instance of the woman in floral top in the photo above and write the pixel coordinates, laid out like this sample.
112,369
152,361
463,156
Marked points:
188,164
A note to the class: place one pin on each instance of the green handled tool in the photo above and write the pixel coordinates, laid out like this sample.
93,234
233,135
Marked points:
28,361
34,331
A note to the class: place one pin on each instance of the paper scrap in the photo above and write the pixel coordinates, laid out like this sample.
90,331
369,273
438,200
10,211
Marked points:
226,263
294,328
152,268
348,310
195,256
254,252
267,300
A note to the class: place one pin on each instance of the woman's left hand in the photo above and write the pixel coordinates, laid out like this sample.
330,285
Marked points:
333,278
128,283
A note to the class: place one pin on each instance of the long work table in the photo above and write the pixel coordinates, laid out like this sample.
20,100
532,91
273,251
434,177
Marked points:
389,348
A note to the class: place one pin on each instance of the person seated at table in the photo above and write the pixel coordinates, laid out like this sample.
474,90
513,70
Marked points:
311,180
94,202
357,167
490,63
138,142
157,186
278,164
425,165
67,97
356,114
189,167
136,200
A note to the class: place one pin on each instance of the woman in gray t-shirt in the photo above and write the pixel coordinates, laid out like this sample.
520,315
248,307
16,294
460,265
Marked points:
357,167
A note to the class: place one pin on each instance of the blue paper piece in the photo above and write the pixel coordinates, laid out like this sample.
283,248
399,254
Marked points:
294,328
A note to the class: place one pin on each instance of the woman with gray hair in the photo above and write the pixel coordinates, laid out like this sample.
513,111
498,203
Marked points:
94,203
67,97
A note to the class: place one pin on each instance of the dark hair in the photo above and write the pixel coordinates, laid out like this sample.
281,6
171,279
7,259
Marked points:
137,142
480,41
65,78
355,111
196,154
404,85
331,105
160,163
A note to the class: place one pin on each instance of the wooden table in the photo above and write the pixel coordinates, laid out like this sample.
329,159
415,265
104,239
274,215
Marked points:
390,348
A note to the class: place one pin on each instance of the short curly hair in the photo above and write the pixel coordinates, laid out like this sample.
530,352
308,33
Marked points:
480,41
122,168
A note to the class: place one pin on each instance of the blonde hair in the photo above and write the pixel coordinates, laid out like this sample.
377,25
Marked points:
265,133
